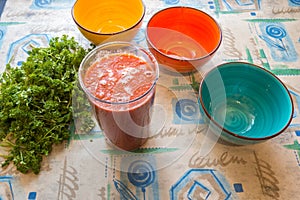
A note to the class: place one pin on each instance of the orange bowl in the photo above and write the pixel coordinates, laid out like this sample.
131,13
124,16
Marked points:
112,20
183,38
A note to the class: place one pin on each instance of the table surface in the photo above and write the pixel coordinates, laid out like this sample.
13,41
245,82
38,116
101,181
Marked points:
181,160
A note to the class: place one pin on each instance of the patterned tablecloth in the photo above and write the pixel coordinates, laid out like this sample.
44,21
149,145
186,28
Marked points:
180,161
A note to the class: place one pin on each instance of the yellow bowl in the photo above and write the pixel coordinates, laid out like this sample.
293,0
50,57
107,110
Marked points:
105,20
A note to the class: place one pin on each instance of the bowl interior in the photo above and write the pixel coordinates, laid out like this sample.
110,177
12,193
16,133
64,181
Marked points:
107,17
183,32
246,100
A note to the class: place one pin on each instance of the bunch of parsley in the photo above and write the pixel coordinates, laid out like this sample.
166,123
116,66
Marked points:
36,102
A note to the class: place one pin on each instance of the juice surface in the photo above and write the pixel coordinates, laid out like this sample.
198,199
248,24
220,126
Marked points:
119,77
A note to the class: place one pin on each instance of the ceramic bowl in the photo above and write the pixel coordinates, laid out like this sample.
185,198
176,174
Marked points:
112,20
183,38
245,103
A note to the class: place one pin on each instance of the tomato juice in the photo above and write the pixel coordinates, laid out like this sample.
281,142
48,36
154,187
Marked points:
122,90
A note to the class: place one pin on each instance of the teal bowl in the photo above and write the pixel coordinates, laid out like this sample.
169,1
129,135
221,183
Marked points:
244,103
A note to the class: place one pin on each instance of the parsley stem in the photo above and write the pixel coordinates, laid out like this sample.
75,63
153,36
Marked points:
6,143
4,156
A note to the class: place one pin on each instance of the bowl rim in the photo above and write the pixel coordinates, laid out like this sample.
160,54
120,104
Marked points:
208,54
232,133
108,34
